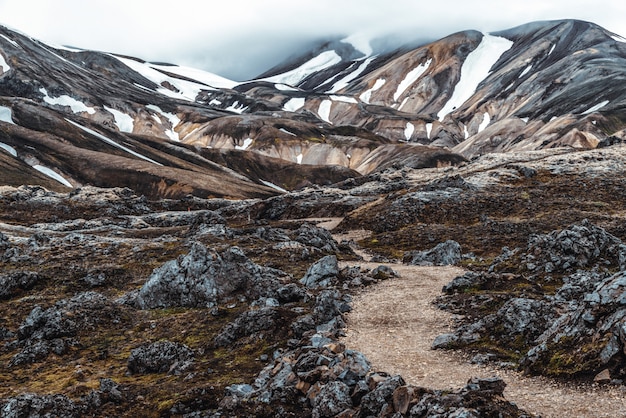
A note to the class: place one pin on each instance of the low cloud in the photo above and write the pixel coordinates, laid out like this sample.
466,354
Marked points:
242,38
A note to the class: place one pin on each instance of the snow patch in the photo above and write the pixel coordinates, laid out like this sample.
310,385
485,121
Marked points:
52,174
5,115
465,132
347,79
284,87
4,65
124,122
429,129
360,42
485,122
475,69
273,186
526,70
65,100
367,94
111,142
299,158
200,76
618,38
215,102
187,90
287,132
525,120
596,107
172,118
410,78
324,110
345,99
11,41
322,61
294,104
552,49
408,131
8,148
236,107
246,143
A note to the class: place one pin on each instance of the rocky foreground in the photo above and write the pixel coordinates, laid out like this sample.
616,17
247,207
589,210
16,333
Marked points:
116,305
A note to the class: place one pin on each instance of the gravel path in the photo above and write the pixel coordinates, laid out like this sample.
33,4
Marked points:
394,323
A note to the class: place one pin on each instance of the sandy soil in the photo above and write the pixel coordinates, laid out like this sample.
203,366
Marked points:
394,323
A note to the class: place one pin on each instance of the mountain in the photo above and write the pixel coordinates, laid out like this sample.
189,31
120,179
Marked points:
344,109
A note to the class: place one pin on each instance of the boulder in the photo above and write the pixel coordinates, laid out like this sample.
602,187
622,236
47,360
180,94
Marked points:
203,277
321,273
160,357
445,253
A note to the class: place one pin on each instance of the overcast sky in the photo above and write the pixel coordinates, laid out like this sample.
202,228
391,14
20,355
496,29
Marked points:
241,38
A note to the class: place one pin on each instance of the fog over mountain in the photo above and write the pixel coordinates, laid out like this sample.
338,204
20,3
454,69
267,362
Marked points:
242,38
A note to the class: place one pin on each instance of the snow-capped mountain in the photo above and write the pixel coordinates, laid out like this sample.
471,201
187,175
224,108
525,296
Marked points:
72,117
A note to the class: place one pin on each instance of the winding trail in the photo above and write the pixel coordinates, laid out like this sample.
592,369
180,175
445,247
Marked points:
394,323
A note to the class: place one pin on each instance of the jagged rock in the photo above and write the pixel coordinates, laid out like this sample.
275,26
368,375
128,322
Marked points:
579,246
446,253
248,323
321,273
203,277
4,242
381,397
525,317
33,405
317,237
290,293
160,357
11,283
333,398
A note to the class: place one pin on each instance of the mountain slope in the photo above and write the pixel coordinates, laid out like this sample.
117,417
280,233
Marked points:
90,118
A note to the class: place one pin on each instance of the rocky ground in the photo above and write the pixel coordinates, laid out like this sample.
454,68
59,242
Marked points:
121,306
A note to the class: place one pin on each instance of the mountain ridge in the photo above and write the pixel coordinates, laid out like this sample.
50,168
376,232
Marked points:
547,84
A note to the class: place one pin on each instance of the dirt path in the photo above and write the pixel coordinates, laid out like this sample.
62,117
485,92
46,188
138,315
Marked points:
394,323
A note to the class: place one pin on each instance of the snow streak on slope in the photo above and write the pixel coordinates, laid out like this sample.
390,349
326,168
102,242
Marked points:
52,174
360,42
201,76
4,65
294,104
410,78
324,110
123,121
172,118
8,148
246,143
596,107
65,100
111,142
295,76
5,115
475,69
367,94
485,122
347,79
408,131
186,89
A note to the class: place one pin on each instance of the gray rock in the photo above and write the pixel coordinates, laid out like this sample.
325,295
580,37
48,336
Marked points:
160,357
246,324
321,273
11,283
445,253
333,398
203,277
376,400
32,405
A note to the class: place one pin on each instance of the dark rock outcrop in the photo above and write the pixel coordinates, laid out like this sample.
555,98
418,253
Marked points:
160,357
444,254
203,277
